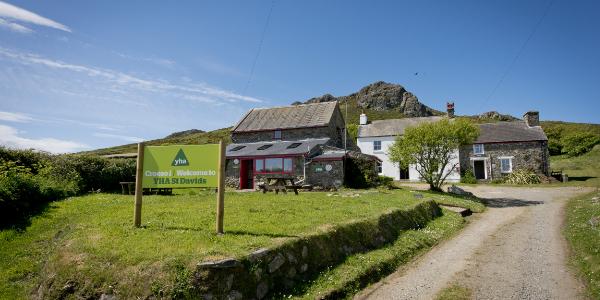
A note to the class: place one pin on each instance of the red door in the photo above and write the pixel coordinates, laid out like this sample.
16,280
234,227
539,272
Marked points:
246,174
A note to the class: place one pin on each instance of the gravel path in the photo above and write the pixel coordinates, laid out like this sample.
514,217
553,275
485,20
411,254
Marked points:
514,250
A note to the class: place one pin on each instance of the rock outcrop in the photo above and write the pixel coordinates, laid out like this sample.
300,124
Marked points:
382,96
496,116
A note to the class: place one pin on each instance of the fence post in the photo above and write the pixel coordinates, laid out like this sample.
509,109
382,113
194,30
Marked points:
138,186
221,188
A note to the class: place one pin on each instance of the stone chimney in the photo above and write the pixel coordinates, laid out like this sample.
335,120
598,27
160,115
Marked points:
532,118
450,109
363,119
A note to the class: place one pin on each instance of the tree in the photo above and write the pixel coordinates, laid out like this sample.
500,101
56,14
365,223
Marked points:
432,147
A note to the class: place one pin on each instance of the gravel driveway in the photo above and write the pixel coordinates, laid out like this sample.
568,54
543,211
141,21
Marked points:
514,250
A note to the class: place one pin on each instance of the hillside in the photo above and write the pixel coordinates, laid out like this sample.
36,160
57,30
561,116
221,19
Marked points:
379,101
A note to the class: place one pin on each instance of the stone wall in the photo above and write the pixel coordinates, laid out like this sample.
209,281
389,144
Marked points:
266,272
526,155
327,173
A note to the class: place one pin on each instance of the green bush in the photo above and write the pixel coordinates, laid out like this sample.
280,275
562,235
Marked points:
468,177
522,176
29,180
360,173
579,143
387,182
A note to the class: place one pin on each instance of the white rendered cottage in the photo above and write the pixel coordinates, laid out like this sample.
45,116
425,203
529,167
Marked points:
376,137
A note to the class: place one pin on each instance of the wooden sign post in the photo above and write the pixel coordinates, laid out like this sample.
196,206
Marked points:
138,186
221,188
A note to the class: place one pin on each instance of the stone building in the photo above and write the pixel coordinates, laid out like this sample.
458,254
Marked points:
304,142
503,147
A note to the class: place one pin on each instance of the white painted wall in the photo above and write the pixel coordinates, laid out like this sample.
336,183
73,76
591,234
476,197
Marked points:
392,169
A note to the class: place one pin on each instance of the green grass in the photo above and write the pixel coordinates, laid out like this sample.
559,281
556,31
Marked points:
91,241
583,170
582,230
454,292
471,203
362,269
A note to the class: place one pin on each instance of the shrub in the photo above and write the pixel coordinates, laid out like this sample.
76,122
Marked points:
468,177
579,143
20,195
522,176
360,173
387,182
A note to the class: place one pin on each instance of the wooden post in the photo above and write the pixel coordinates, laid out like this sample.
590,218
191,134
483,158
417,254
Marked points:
137,219
221,188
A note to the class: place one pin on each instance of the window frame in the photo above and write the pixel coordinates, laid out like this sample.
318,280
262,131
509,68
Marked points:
377,142
475,149
510,164
263,161
275,134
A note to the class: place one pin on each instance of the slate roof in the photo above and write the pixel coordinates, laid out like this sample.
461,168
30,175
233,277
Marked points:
277,148
330,154
287,117
392,127
516,131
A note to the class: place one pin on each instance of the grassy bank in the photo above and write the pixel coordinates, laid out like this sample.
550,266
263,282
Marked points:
89,241
360,270
582,230
583,170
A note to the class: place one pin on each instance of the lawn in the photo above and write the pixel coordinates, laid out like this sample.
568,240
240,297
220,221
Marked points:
91,241
583,170
582,230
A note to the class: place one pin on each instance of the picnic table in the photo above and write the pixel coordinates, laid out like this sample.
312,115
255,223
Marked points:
279,184
130,187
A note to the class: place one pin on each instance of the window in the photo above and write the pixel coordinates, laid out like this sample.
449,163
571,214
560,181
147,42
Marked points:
237,148
264,147
287,165
505,164
478,149
260,166
294,145
274,165
376,145
379,167
277,134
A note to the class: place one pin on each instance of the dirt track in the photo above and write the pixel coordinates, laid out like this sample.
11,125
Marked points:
514,250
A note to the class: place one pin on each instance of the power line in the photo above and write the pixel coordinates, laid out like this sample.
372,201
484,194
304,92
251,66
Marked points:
262,38
512,64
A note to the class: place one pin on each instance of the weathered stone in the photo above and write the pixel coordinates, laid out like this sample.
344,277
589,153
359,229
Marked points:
304,251
291,273
261,290
291,258
453,189
108,297
276,263
303,268
258,274
235,295
221,264
229,282
258,254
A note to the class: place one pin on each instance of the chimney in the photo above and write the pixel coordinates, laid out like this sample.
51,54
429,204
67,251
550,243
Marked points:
450,109
363,119
532,118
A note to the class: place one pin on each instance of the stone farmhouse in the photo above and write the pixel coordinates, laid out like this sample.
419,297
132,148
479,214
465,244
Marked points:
305,142
500,149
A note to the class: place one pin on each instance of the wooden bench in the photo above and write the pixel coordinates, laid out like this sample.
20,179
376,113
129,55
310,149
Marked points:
130,187
279,184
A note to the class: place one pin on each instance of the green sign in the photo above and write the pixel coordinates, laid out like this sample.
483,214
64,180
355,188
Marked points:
180,166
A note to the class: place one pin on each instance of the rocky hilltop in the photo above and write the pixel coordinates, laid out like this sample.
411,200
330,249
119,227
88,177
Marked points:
382,96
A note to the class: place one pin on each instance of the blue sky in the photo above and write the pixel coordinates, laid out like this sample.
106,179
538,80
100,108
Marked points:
79,75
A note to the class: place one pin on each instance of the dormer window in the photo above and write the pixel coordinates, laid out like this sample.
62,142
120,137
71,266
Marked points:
265,147
277,135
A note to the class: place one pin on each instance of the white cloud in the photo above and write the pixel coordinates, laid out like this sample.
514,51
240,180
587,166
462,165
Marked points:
10,137
119,137
14,26
155,60
191,90
23,15
14,117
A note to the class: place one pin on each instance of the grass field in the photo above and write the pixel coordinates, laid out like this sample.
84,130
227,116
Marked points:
91,241
583,170
582,230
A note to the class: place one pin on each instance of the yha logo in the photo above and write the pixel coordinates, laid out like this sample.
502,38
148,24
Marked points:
180,159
